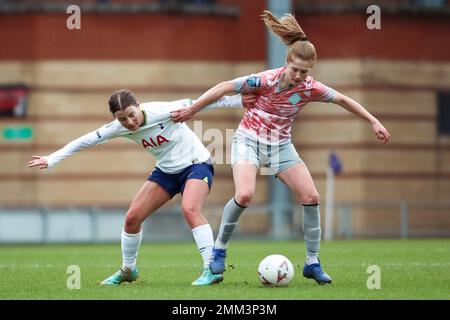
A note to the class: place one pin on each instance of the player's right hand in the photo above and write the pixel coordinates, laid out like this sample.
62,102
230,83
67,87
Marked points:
38,161
182,115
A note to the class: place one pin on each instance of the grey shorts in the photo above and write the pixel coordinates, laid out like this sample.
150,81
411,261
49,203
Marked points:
272,158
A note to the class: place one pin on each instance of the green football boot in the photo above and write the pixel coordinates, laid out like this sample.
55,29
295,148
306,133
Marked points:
123,275
207,278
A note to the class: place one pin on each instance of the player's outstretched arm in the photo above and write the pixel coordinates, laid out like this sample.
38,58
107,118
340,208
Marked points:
38,161
354,107
210,96
90,139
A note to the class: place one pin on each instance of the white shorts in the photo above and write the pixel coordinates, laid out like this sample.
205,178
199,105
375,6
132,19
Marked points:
273,158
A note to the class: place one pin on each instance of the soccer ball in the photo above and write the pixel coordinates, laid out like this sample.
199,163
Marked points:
276,270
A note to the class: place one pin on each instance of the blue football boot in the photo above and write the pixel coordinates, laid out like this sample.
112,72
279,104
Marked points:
314,271
217,264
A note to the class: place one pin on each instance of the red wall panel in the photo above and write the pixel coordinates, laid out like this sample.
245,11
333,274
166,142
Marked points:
215,38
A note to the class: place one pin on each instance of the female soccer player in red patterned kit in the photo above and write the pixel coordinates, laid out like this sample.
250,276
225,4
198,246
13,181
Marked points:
264,136
183,166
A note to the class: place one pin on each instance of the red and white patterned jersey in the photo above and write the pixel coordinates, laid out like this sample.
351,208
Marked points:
271,118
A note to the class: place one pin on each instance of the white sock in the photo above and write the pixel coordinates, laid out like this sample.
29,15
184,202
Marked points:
204,239
130,246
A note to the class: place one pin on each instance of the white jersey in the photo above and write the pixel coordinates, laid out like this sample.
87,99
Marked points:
174,145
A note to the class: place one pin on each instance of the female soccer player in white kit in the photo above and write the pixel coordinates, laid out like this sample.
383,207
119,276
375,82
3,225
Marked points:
264,137
183,165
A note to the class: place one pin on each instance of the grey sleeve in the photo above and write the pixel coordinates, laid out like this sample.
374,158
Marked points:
226,102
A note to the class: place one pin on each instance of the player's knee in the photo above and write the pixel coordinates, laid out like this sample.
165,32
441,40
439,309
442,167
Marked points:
244,197
190,211
132,220
310,198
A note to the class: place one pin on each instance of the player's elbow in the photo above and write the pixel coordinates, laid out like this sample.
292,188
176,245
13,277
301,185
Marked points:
341,100
226,87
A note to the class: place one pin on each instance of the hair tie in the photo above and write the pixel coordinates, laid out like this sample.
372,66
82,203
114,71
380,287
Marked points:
303,39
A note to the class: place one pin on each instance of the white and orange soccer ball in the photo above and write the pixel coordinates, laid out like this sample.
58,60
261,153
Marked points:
276,270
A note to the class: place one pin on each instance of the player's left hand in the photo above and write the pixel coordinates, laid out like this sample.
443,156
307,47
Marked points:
182,115
381,132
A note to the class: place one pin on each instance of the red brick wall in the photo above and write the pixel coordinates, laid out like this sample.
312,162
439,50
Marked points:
400,37
214,38
143,36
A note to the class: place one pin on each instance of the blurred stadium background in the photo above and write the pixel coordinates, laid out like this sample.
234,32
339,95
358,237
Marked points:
55,82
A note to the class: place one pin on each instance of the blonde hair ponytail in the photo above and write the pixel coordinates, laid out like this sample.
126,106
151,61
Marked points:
291,34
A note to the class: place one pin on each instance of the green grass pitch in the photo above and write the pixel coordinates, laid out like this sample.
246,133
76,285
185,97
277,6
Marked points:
410,269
